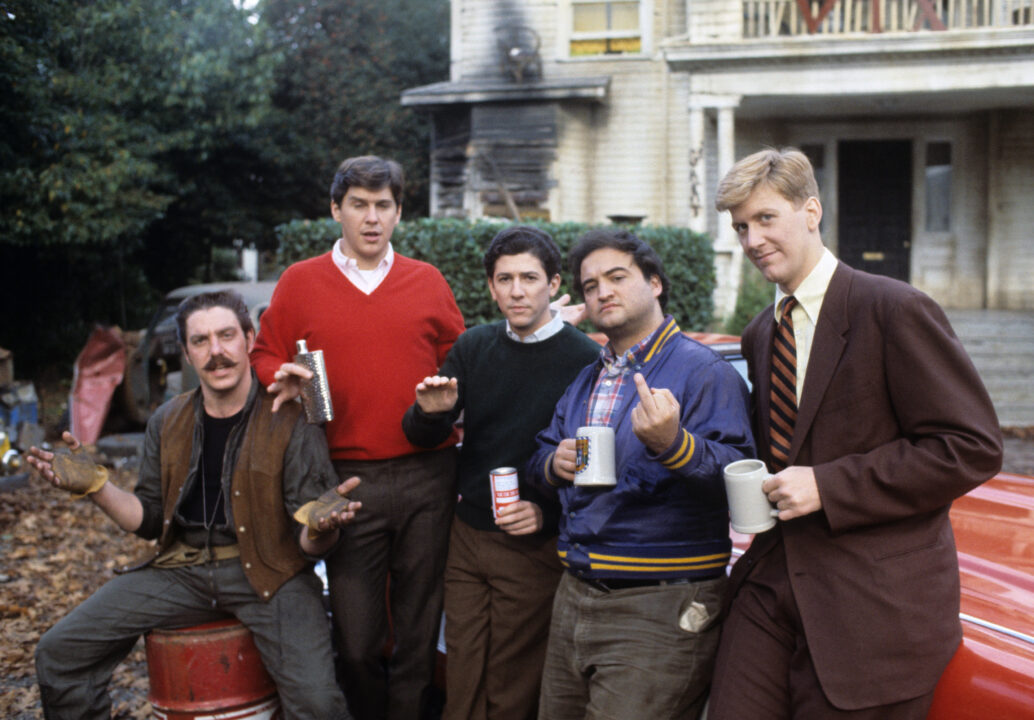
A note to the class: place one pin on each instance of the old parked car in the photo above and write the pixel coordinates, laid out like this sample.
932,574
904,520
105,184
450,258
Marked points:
155,370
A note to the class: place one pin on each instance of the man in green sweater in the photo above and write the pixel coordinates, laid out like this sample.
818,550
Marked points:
501,573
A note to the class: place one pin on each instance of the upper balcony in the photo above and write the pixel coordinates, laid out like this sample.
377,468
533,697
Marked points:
789,18
752,31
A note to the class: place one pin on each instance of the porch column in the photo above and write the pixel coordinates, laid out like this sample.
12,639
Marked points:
726,159
699,193
728,254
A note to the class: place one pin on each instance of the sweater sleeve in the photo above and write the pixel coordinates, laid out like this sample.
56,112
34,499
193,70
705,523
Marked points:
432,429
450,320
275,342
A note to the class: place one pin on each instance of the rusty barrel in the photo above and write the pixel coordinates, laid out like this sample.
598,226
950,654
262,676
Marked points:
212,671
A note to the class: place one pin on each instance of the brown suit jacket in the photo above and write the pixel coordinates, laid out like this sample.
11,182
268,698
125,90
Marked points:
896,423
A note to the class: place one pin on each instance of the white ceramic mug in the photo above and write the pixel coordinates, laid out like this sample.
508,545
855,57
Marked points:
594,463
750,511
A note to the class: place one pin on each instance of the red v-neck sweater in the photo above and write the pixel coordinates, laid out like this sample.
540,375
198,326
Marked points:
377,347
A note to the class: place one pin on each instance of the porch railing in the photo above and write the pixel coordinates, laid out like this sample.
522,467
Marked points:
767,18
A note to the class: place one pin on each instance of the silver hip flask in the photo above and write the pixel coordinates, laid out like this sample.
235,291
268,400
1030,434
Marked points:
315,392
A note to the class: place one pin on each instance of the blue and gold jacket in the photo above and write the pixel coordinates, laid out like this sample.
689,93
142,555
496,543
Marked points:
667,517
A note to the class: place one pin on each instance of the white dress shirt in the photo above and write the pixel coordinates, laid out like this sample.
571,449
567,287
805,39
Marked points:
805,314
555,325
366,280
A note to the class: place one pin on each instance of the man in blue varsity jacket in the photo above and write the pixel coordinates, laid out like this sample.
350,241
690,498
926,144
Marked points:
635,619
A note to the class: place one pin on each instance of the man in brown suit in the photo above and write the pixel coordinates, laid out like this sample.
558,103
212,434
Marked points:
848,608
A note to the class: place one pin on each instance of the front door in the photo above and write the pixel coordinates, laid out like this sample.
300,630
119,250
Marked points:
874,227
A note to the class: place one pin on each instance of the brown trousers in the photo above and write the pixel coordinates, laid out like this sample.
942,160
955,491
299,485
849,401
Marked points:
764,669
401,530
498,603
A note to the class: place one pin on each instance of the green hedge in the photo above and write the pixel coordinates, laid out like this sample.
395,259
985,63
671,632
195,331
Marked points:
456,247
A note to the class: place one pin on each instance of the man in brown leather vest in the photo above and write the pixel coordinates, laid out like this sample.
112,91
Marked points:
241,501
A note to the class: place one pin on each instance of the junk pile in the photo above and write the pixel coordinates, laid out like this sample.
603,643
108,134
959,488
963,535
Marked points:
19,421
98,371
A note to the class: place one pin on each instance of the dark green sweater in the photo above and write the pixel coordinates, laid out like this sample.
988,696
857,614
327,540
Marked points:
507,392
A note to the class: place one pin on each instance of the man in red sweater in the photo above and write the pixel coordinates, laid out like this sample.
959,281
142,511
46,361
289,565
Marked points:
383,322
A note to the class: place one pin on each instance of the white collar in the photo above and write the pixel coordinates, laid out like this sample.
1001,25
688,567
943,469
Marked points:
551,328
812,290
346,263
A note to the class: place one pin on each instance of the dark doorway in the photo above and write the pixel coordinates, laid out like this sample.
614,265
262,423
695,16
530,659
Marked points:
874,226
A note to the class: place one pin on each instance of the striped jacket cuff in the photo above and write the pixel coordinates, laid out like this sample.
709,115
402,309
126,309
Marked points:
679,452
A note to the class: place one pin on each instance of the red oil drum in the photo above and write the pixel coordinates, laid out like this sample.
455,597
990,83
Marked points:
208,672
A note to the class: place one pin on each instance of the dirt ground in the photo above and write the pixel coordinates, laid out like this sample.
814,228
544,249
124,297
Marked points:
54,552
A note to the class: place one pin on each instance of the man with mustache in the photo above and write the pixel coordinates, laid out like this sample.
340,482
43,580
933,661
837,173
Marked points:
241,500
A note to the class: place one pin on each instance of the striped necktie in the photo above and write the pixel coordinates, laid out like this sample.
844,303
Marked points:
783,398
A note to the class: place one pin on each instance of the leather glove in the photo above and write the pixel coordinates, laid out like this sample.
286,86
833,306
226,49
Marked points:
79,474
311,513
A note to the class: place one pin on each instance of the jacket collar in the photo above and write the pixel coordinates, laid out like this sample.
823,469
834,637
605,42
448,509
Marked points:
642,352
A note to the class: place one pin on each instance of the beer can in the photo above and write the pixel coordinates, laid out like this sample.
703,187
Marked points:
504,488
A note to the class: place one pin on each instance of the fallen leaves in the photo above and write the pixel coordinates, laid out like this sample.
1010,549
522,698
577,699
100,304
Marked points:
55,552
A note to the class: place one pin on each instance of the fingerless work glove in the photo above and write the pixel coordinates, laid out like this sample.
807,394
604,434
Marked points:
78,474
321,508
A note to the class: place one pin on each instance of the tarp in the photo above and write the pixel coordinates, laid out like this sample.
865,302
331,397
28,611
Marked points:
98,371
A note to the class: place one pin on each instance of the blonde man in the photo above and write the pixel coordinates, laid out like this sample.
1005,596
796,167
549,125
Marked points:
873,423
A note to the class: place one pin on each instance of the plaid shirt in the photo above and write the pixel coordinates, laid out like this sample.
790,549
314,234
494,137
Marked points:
615,375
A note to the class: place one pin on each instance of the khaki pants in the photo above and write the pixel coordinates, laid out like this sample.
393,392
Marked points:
498,602
623,654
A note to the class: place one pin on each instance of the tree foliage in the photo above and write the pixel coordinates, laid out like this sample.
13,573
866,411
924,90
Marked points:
124,123
139,139
111,98
346,62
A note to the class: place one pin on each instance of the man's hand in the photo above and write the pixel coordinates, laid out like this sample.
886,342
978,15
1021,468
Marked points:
330,510
287,383
437,394
570,314
520,518
76,473
794,491
565,459
655,420
323,516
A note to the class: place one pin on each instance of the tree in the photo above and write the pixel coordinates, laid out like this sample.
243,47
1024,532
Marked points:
346,62
129,125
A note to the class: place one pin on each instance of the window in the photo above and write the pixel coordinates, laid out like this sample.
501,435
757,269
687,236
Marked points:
605,27
938,187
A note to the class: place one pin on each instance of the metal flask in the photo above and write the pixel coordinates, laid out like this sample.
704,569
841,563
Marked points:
315,392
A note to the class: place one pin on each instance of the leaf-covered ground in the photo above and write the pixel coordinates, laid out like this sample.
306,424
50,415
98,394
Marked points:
54,552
